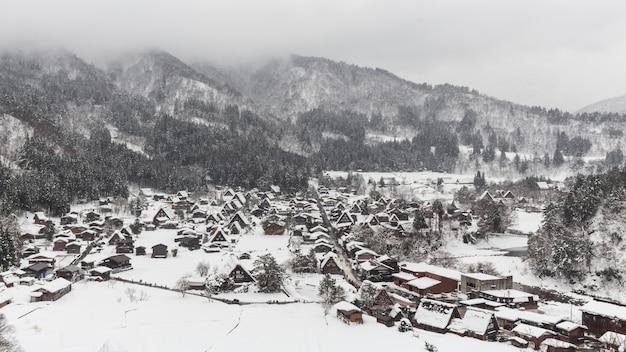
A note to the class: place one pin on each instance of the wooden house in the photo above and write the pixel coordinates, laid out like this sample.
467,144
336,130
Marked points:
533,334
196,283
70,273
87,235
59,244
349,313
382,303
140,250
117,262
423,285
435,316
322,247
68,219
73,248
329,264
159,251
365,254
38,270
214,218
235,228
55,289
478,323
508,318
241,275
555,345
102,272
613,340
344,220
162,216
219,237
511,298
475,282
237,272
571,332
91,216
374,270
115,238
601,317
190,242
40,257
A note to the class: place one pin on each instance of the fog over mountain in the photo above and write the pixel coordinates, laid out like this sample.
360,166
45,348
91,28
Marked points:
557,54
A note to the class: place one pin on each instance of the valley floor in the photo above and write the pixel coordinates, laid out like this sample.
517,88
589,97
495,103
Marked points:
99,317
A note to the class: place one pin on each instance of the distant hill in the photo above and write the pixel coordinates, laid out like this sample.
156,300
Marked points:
275,123
615,105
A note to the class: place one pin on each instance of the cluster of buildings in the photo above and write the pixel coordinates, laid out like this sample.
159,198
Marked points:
444,300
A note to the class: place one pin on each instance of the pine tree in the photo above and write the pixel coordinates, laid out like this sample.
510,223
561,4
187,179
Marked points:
330,292
268,274
7,341
366,295
419,221
557,159
8,251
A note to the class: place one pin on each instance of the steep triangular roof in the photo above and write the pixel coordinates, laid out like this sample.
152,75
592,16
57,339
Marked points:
329,257
435,314
475,320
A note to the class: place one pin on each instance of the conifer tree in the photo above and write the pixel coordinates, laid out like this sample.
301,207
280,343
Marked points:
268,274
330,292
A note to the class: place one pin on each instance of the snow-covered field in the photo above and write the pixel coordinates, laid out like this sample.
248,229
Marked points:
99,317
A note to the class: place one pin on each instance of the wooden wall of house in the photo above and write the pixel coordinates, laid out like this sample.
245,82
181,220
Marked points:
598,324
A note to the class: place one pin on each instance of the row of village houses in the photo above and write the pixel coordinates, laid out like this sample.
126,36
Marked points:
431,295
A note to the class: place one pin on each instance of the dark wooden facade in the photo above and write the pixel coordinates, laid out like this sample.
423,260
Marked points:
159,251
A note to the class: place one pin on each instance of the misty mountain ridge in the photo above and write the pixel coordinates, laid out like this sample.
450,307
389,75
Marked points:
340,102
611,105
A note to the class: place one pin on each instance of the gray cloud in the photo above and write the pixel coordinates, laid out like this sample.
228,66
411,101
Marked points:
559,53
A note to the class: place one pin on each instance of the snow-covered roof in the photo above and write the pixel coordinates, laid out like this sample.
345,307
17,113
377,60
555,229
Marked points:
403,276
424,267
477,301
518,296
346,306
329,256
557,343
373,264
423,283
475,320
101,269
531,331
604,309
319,228
514,315
481,276
434,313
569,326
473,302
613,338
56,285
365,251
543,185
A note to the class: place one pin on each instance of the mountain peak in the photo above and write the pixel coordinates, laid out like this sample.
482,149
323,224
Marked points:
615,105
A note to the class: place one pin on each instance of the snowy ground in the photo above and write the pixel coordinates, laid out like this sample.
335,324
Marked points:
100,317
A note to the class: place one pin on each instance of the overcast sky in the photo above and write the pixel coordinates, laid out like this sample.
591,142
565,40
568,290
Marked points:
564,54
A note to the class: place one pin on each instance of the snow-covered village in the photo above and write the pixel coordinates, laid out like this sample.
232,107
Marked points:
236,269
315,175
